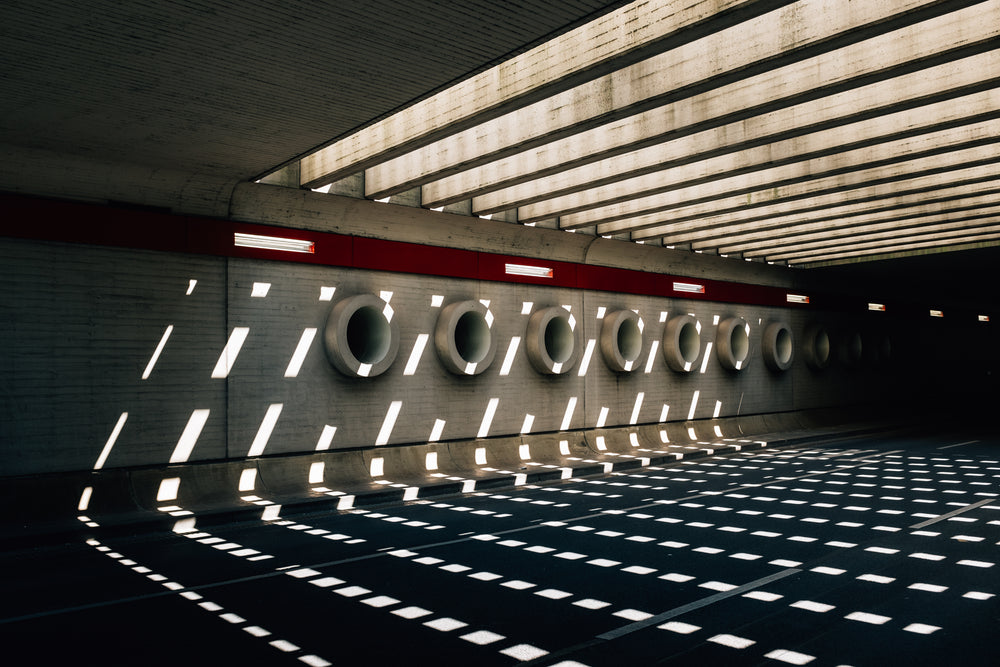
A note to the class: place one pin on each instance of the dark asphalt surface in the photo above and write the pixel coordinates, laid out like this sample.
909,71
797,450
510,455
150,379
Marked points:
870,551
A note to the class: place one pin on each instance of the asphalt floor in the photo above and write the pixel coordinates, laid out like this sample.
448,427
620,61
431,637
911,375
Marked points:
864,551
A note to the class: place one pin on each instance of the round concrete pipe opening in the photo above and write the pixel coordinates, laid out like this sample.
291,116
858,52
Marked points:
853,350
682,343
368,335
884,350
464,339
778,347
817,347
621,340
732,342
551,341
361,339
472,337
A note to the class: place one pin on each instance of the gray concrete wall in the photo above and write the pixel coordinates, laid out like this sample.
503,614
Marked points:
80,324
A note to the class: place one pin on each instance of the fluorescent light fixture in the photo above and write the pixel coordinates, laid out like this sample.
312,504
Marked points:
260,290
984,318
877,306
796,298
526,270
273,243
691,288
937,313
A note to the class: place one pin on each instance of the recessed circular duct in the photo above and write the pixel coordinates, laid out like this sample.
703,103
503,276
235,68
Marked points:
552,344
777,347
816,347
852,349
682,343
361,339
883,350
621,340
732,343
464,338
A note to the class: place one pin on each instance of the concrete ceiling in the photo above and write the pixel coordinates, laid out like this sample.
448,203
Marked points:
799,131
235,88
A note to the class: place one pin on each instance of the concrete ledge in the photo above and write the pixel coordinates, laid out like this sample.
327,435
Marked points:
51,505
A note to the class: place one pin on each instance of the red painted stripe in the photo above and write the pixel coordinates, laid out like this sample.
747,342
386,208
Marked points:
75,222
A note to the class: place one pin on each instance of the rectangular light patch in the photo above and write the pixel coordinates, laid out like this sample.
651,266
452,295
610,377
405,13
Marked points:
295,364
190,436
877,306
241,240
937,313
415,354
527,270
230,352
796,298
156,353
264,432
690,288
388,423
984,318
326,437
491,410
111,441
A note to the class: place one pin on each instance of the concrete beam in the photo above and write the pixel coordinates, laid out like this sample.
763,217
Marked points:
794,160
803,30
788,184
865,237
901,250
734,216
592,157
556,65
759,244
898,252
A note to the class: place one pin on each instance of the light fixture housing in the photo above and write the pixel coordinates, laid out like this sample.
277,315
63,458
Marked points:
241,240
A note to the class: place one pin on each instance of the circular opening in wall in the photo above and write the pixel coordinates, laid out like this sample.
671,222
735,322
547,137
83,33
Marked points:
885,350
853,349
817,347
681,343
551,341
739,343
733,343
778,346
629,340
621,340
472,337
689,342
559,340
783,347
360,338
463,339
368,335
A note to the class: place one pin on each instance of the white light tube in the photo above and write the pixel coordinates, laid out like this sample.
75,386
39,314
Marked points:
796,298
273,243
691,288
526,270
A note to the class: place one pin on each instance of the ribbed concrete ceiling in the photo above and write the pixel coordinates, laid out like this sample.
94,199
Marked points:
800,131
233,89
807,132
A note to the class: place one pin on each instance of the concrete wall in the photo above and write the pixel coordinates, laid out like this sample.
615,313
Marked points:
80,324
